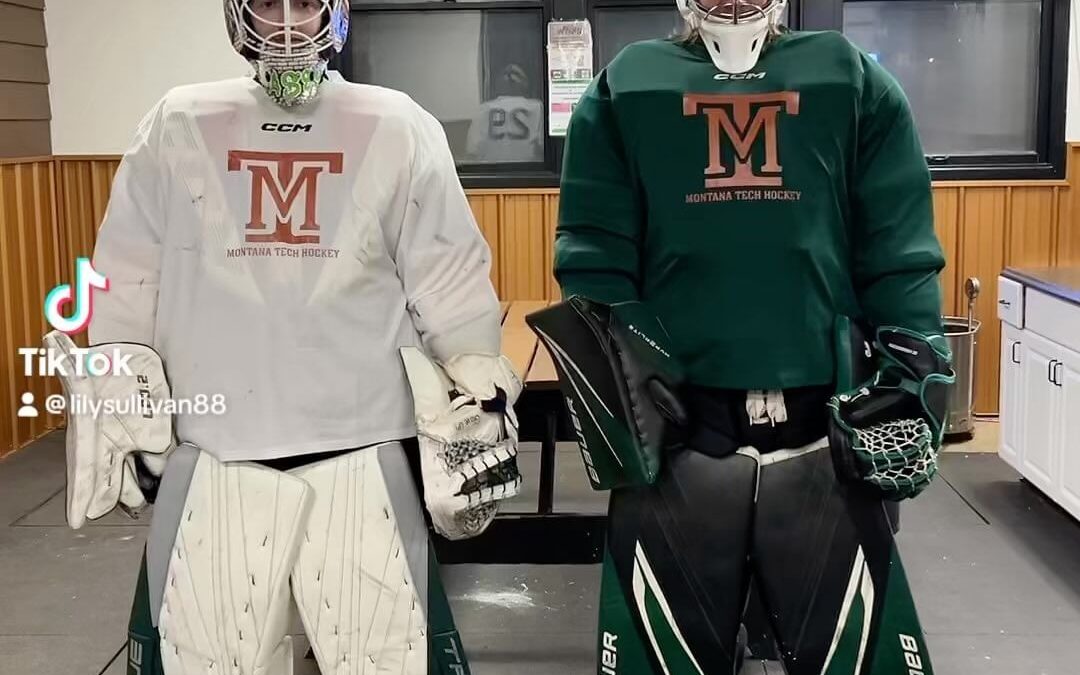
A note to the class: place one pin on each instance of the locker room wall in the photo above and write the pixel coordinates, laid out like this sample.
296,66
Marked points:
111,60
24,80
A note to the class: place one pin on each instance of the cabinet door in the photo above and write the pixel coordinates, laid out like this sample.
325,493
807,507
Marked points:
1068,440
1012,415
1040,423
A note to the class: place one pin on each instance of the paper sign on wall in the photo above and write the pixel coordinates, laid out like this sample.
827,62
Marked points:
570,69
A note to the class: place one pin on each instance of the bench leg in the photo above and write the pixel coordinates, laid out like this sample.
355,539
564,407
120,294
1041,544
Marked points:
547,464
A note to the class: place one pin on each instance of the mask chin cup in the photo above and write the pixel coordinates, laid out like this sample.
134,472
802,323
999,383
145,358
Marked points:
291,86
735,48
734,34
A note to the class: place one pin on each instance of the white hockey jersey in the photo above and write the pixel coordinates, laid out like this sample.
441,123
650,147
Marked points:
280,259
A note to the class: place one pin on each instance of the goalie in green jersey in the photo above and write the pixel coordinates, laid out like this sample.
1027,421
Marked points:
751,349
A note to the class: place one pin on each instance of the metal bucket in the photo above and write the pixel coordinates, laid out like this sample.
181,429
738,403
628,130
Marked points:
960,418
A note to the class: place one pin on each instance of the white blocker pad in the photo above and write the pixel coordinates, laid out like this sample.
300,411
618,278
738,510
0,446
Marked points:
360,581
100,442
226,605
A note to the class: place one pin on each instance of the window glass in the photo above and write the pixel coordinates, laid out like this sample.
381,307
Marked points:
970,68
480,73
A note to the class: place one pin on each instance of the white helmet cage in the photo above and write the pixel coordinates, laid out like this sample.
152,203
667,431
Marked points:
298,43
734,31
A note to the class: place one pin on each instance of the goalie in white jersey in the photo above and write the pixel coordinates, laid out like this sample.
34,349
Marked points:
301,247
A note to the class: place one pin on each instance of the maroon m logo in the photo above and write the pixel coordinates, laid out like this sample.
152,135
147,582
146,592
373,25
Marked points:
284,177
742,120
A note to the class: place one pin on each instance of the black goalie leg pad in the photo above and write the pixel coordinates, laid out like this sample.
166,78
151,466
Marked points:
830,574
619,380
676,572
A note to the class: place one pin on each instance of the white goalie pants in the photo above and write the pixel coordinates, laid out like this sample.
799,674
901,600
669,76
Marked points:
232,543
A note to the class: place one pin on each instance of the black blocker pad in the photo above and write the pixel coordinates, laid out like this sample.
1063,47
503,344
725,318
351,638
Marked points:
619,379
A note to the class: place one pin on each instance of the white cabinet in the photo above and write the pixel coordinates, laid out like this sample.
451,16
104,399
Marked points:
1068,442
1040,409
1040,391
1011,381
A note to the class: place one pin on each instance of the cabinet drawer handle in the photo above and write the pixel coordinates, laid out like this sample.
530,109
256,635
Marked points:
1057,378
1050,370
1005,303
1015,358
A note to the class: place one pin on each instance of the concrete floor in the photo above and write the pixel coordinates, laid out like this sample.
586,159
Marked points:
994,567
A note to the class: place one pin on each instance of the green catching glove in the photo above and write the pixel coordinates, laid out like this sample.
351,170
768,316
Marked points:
888,431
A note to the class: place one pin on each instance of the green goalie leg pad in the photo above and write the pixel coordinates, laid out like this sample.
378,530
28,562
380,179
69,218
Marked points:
896,641
901,644
620,650
143,657
446,654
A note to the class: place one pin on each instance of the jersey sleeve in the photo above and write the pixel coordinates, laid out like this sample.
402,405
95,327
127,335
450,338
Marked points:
896,253
129,243
442,258
600,210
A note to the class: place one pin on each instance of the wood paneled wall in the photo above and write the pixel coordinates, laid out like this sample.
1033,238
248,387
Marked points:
50,209
985,228
24,80
29,269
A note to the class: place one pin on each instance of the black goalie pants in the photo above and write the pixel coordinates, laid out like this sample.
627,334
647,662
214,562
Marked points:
754,504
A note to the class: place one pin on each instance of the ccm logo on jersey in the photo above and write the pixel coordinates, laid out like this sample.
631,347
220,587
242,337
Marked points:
286,128
609,655
911,655
739,76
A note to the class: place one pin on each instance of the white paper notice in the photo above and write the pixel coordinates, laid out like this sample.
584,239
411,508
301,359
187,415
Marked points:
570,69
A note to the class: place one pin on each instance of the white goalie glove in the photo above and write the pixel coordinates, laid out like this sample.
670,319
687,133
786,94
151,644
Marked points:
114,423
468,437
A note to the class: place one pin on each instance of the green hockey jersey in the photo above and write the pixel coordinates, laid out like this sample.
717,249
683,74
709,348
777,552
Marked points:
749,210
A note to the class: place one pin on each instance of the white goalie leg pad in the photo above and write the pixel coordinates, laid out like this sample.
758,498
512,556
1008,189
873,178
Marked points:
226,602
360,581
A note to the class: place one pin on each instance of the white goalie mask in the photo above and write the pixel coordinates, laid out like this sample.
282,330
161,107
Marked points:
289,42
734,31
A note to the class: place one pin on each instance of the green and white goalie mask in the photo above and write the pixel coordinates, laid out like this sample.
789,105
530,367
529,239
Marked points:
620,382
288,42
887,432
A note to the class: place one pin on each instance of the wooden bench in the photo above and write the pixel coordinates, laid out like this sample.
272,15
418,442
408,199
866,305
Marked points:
543,537
520,344
533,364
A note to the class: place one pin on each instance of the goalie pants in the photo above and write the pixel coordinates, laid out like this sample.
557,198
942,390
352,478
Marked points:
681,556
342,536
